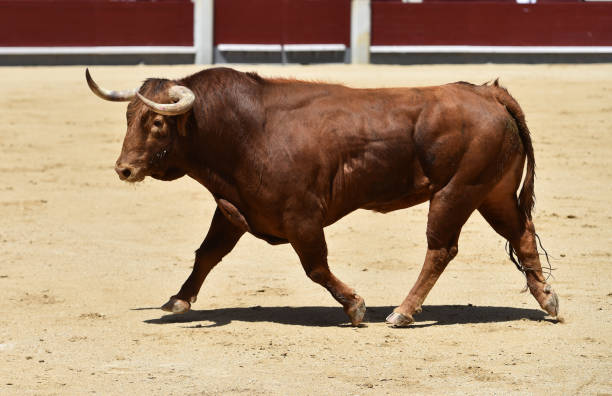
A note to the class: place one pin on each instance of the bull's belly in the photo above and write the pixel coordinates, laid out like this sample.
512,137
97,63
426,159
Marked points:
403,202
379,205
383,201
388,191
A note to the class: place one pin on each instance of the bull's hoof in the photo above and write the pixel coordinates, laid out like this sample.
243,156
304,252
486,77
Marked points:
397,319
357,311
176,306
551,305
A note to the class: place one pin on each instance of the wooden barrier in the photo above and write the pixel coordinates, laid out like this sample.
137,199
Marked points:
491,24
282,30
282,22
87,23
181,31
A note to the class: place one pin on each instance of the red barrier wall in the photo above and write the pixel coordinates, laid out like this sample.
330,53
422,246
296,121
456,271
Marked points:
95,23
484,23
283,22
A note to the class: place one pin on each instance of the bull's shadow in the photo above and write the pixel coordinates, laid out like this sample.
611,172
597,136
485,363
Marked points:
440,315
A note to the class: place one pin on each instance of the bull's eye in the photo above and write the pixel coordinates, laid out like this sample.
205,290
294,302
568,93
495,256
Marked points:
158,123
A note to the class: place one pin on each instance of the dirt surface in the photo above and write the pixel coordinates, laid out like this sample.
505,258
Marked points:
86,260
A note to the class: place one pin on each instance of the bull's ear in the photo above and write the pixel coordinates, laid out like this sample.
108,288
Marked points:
181,124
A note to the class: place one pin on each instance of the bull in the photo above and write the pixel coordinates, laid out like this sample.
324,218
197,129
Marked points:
285,158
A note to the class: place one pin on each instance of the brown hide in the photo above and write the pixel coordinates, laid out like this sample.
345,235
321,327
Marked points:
282,151
285,158
279,150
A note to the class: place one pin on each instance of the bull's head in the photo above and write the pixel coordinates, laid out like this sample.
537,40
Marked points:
154,128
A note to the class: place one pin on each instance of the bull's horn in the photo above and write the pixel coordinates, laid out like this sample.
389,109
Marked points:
184,101
113,96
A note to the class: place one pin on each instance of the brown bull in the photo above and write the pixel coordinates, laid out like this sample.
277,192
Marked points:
284,159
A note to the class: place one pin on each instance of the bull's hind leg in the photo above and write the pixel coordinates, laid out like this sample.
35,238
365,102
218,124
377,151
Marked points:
502,212
311,248
449,209
221,238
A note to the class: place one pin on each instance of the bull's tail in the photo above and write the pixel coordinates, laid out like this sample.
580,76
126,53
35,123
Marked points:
526,198
527,194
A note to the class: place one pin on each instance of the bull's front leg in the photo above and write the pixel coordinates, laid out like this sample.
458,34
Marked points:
309,244
221,238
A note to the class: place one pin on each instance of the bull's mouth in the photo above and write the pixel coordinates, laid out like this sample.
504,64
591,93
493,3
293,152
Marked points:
136,178
155,167
168,174
132,174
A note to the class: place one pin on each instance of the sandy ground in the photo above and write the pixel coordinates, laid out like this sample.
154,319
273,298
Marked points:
85,260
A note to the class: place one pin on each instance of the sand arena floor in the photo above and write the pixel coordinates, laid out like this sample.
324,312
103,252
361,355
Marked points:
85,260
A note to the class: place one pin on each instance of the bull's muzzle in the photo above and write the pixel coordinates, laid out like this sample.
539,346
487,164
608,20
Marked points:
129,173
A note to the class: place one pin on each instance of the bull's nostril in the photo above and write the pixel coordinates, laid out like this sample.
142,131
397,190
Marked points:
126,172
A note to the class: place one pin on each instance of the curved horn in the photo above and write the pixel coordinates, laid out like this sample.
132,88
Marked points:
184,101
113,96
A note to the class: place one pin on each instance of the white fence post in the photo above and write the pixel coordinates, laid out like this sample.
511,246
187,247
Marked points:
203,15
360,31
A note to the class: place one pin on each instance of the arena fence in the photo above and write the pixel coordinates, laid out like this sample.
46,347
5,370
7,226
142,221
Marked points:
439,31
282,30
302,31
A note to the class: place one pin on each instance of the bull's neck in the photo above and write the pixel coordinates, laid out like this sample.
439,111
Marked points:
222,127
